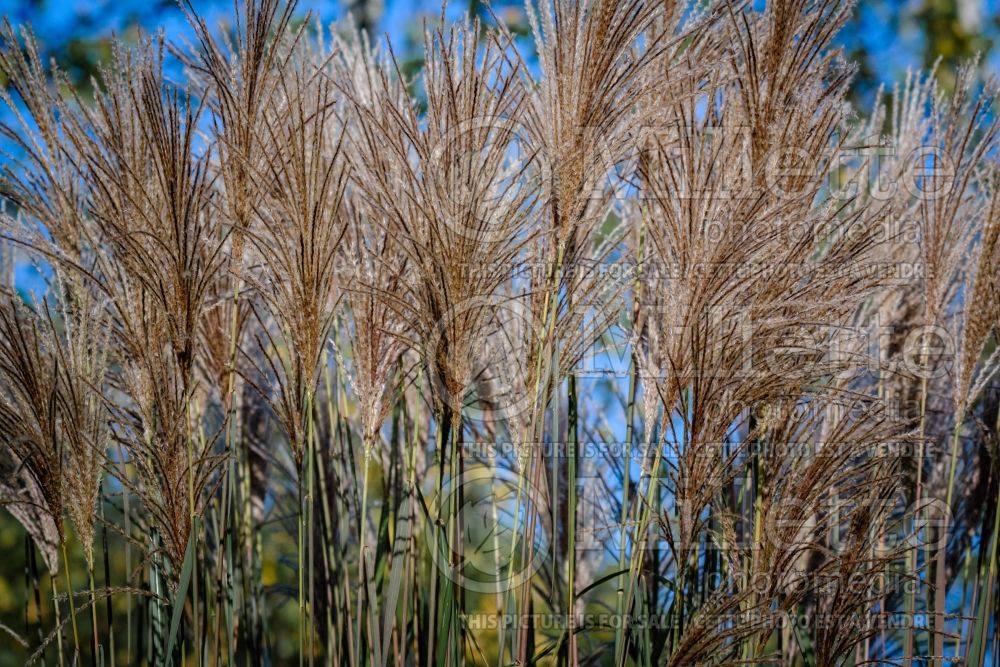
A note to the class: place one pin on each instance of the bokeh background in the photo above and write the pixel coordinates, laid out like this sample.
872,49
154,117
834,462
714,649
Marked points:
885,39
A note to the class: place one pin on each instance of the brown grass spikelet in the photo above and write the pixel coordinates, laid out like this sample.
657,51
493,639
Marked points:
301,224
30,376
441,190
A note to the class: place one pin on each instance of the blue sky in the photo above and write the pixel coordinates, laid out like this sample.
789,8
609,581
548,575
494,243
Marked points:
885,28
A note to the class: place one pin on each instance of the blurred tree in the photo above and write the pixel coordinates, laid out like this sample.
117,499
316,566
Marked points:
366,13
955,32
887,37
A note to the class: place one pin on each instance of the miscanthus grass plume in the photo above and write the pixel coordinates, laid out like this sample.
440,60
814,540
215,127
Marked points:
628,341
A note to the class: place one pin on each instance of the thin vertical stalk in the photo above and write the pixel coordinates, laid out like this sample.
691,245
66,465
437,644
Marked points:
442,425
495,518
32,587
447,635
941,585
194,553
554,510
224,595
59,632
756,488
230,445
623,517
912,557
454,520
310,463
981,624
27,587
95,639
413,491
230,570
626,471
72,606
327,550
325,547
107,583
362,537
249,573
966,575
126,510
346,453
645,511
301,555
549,317
571,522
952,467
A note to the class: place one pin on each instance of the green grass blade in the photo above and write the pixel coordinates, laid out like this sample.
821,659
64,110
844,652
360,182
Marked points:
182,586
